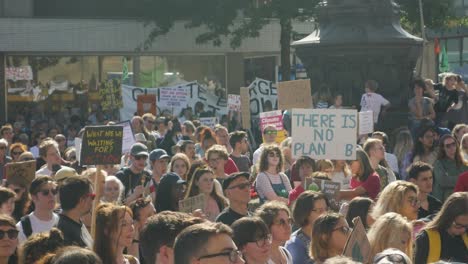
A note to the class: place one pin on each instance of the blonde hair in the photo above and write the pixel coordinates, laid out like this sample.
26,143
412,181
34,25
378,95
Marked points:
388,232
185,159
392,197
324,164
219,149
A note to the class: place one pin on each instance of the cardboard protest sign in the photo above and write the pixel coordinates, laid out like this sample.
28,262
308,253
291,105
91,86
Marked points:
234,102
294,94
146,103
366,122
209,121
274,118
358,247
245,109
102,145
331,190
263,97
324,133
22,173
128,138
192,203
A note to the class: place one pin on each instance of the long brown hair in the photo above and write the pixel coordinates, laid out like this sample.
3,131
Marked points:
455,205
108,218
263,161
194,190
459,161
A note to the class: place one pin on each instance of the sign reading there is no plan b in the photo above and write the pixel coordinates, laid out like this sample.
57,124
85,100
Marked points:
102,145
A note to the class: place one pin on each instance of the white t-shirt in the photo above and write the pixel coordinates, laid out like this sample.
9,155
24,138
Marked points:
392,161
373,102
37,226
344,181
43,171
35,151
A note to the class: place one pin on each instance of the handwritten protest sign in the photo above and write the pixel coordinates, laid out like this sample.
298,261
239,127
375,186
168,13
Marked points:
110,95
245,109
209,121
294,94
331,190
263,97
366,122
234,102
128,137
20,172
192,203
324,133
358,247
173,96
101,145
273,118
146,103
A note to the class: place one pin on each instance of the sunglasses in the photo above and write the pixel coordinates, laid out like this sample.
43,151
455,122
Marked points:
240,186
273,154
16,152
12,234
270,132
47,191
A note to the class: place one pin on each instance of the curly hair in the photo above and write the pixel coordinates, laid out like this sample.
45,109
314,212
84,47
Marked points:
41,244
263,161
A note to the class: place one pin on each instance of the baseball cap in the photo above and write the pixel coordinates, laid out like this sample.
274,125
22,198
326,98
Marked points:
139,149
158,154
232,177
65,172
171,177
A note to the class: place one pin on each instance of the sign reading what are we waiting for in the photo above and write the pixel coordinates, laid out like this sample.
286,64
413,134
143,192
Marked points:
102,145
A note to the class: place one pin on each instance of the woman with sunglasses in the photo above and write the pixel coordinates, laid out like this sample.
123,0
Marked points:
8,240
114,233
364,181
448,166
202,182
253,239
400,197
329,235
307,208
445,237
16,149
271,183
391,230
277,217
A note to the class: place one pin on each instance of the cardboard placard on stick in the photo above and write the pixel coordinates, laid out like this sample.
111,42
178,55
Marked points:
192,203
102,145
331,190
358,247
294,94
146,103
245,107
22,173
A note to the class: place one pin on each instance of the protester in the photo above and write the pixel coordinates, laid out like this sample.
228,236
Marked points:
253,238
114,232
445,237
305,166
360,207
240,146
446,97
210,242
4,158
341,174
43,192
464,146
217,157
8,240
392,255
372,101
376,152
202,182
391,230
113,190
38,138
271,183
41,244
180,164
448,166
158,159
222,137
159,233
420,106
7,201
170,190
142,209
329,235
400,197
22,197
276,216
306,209
237,189
26,156
420,173
76,200
462,183
269,137
364,181
138,126
16,149
6,132
187,147
424,150
49,152
135,177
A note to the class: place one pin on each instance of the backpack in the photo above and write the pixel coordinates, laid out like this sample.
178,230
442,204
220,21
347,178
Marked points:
26,224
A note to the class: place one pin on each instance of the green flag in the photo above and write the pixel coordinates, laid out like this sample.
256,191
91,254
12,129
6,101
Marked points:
124,69
443,60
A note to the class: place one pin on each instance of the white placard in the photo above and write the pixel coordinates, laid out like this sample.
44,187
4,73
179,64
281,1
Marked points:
366,122
274,118
324,133
173,97
128,138
209,121
234,103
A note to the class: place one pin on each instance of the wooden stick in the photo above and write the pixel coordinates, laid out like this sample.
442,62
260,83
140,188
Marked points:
97,190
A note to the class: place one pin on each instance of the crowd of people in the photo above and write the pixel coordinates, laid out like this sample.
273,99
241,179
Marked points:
258,207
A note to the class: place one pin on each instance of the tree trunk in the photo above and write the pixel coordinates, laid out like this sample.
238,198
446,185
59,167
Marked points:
285,43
